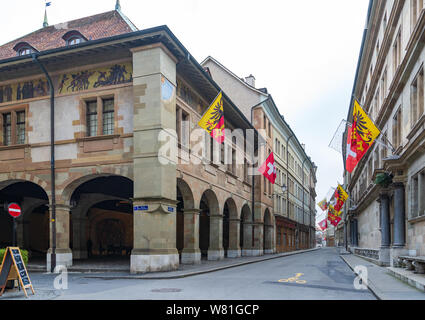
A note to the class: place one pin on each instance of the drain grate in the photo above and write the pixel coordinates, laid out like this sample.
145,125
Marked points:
166,290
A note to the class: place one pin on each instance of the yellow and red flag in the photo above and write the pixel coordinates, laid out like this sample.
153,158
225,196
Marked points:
323,205
340,196
333,219
333,211
213,119
363,134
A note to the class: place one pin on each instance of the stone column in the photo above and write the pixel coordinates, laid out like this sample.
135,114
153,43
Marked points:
247,239
191,253
63,252
356,232
258,247
398,248
268,245
154,160
234,250
399,216
215,250
384,252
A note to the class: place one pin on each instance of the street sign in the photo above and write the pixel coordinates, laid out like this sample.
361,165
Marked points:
14,210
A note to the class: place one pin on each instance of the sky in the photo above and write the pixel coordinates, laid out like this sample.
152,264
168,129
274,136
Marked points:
304,52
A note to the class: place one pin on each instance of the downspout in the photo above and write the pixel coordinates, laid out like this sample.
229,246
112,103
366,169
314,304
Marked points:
52,159
287,184
303,189
253,176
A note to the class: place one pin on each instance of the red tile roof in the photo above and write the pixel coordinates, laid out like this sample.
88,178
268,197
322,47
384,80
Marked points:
95,27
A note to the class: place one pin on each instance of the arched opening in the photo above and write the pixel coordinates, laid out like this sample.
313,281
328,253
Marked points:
246,230
210,227
32,227
102,219
185,239
230,229
268,232
226,229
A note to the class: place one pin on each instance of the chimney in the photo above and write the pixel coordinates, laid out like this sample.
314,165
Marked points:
250,80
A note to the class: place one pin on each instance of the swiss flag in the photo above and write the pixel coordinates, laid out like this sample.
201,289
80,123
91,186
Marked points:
351,160
268,169
323,225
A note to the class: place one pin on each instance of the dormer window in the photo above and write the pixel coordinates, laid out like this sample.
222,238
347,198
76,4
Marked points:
23,48
73,37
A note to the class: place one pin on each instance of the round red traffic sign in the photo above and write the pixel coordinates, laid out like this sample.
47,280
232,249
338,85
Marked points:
14,210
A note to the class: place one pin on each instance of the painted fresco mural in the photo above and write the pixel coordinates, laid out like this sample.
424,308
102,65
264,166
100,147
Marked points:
69,83
92,79
24,90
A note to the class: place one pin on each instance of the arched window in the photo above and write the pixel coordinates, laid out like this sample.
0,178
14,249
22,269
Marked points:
23,48
73,37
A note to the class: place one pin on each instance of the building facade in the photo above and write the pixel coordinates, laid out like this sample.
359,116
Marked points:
386,215
124,100
294,206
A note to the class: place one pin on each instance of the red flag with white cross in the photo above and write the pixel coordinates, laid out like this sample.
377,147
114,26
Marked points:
323,225
268,169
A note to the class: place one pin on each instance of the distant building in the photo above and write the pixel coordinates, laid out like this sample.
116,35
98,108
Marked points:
386,217
294,208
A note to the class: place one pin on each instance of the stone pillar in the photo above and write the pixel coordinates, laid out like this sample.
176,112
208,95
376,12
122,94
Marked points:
154,160
234,250
191,253
258,247
216,251
398,248
399,216
384,252
268,245
356,232
247,239
63,252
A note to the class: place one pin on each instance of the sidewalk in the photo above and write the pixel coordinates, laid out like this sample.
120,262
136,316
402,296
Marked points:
382,284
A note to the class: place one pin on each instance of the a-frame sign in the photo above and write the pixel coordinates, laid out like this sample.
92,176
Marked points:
13,268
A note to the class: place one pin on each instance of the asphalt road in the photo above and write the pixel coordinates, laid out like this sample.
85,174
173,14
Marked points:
317,275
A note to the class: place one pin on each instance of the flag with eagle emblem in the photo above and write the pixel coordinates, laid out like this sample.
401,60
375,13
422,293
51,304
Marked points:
340,196
213,119
363,134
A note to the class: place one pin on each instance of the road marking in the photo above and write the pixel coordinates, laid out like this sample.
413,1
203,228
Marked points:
295,279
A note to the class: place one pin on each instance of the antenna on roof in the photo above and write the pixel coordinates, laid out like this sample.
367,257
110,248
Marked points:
45,23
118,6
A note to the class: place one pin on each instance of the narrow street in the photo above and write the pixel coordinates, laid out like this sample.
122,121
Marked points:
317,275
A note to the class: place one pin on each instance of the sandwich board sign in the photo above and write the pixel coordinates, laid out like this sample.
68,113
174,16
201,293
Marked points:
13,268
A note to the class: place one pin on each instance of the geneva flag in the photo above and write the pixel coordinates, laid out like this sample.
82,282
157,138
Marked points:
213,119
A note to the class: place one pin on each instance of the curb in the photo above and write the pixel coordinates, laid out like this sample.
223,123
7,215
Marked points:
369,283
190,274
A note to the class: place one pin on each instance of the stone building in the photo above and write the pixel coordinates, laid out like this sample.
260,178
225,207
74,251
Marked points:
385,220
122,96
294,206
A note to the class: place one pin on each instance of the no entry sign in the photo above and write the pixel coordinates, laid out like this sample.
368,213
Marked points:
14,210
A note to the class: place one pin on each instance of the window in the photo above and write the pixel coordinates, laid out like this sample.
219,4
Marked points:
108,116
384,86
24,51
182,127
384,149
14,132
397,129
74,40
7,129
20,127
415,10
417,97
91,117
397,51
100,119
385,22
417,191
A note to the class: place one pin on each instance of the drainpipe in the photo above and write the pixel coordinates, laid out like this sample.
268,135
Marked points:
287,184
253,176
303,189
52,159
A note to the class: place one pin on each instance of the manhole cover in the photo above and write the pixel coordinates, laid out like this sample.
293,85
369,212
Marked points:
165,290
